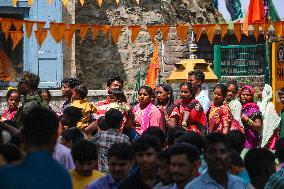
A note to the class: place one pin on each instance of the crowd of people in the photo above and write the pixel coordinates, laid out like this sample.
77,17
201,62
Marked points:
234,141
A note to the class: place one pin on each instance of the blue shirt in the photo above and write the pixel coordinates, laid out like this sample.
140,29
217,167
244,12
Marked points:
105,182
38,171
244,176
205,181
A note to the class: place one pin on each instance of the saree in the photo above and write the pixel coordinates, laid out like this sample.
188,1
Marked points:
219,117
250,109
196,121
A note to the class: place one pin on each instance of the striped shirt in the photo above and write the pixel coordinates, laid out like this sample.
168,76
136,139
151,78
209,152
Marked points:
205,181
102,107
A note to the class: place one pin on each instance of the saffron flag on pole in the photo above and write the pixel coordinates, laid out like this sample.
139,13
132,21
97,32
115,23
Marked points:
153,69
255,13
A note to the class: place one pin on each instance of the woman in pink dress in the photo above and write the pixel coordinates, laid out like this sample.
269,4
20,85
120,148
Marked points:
146,113
13,99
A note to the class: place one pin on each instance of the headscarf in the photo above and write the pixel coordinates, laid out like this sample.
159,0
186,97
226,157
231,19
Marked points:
250,88
250,108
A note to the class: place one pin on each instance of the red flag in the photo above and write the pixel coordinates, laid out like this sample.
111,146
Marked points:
255,13
153,68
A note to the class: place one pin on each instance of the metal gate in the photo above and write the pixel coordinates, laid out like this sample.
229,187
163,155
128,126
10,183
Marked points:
244,63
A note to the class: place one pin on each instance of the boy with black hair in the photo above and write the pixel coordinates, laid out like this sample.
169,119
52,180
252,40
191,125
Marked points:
71,136
104,139
156,131
218,157
67,85
70,117
120,160
173,134
146,149
184,164
236,140
276,180
164,170
85,157
237,167
260,164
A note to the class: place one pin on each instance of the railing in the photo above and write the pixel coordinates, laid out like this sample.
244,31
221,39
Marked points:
241,62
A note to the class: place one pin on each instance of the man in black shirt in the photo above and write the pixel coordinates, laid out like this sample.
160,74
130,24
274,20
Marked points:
146,150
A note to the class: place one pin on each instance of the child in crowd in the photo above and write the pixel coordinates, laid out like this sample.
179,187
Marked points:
46,96
102,124
237,167
78,98
104,139
71,136
120,160
70,117
85,156
10,154
13,99
118,100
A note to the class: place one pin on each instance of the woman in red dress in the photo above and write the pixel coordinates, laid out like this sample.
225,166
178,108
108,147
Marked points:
187,111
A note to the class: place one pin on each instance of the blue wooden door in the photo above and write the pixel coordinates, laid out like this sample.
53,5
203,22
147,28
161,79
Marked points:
47,60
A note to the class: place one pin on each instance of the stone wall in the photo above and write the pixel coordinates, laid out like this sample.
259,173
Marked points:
97,60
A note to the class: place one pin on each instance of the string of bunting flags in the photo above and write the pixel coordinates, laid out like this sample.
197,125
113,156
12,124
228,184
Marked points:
64,2
61,31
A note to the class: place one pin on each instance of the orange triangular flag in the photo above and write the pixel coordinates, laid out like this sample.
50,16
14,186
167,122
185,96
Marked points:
57,31
49,1
238,31
83,31
30,2
256,30
6,26
100,2
68,35
197,28
278,28
16,37
153,68
105,29
152,32
40,25
210,30
29,28
182,32
64,3
165,32
135,30
14,3
116,31
224,30
82,2
95,30
265,26
40,36
18,24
